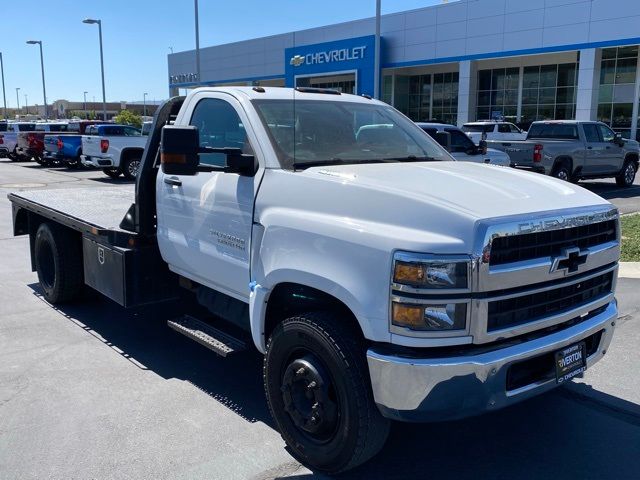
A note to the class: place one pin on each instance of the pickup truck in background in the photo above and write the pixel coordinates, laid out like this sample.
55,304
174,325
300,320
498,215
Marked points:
462,147
66,149
381,280
116,149
492,130
31,143
574,150
10,137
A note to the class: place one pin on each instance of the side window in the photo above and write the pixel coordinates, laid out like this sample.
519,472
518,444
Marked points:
431,131
607,133
219,126
513,128
504,128
459,141
131,132
591,133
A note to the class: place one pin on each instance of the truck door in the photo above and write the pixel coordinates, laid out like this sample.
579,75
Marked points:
595,161
613,154
205,221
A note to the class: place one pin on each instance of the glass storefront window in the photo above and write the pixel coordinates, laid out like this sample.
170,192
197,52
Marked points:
549,93
617,87
429,96
498,93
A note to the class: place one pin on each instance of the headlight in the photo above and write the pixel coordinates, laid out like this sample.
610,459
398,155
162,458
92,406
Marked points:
430,318
430,272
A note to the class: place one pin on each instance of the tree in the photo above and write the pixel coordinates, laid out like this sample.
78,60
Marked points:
128,117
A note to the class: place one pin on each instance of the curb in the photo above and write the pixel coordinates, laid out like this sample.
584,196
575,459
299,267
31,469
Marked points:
629,270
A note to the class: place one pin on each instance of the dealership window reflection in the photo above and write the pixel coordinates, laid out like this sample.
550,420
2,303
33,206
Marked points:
617,88
425,97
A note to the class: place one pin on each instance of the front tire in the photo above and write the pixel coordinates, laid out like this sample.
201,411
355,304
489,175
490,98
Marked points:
627,175
317,386
58,260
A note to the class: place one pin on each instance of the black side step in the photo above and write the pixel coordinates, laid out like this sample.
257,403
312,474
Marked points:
220,342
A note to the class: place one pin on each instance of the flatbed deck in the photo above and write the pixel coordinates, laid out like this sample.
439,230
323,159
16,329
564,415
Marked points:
98,211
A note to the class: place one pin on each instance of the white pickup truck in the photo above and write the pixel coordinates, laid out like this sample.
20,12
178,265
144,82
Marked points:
380,278
116,149
9,141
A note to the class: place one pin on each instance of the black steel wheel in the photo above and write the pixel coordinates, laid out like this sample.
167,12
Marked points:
317,386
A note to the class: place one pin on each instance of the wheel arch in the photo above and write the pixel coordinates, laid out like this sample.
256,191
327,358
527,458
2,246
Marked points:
563,160
632,157
269,306
131,152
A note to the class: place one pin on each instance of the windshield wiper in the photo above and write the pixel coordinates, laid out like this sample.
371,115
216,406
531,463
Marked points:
337,161
412,158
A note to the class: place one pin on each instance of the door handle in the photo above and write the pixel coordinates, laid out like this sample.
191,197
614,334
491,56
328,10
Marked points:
174,181
589,148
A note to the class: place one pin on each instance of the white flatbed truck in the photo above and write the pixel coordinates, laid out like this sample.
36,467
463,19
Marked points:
380,278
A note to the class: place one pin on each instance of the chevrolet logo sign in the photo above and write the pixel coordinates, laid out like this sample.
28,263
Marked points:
571,259
297,60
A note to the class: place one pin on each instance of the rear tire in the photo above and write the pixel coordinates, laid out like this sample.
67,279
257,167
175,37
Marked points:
58,259
627,175
319,394
130,167
112,172
563,172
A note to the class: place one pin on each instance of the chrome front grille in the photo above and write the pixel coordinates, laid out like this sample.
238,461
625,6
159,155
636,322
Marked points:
525,308
524,280
528,246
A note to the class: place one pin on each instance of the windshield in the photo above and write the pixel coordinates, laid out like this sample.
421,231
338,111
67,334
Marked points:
313,132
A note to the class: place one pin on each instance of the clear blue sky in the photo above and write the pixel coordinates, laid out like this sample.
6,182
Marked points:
137,35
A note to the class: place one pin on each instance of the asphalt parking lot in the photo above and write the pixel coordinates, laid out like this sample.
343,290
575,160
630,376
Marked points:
95,391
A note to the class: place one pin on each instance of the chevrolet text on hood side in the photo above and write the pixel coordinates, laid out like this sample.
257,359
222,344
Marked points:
380,278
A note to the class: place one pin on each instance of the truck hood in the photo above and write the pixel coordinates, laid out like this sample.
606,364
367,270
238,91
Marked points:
474,190
425,207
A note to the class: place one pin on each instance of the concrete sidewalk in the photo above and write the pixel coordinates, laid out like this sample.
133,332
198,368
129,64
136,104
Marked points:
629,270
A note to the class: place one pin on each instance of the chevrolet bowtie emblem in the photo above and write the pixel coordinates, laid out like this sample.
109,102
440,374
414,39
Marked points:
570,260
297,60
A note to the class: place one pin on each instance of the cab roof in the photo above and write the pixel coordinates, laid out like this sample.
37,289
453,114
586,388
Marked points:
282,93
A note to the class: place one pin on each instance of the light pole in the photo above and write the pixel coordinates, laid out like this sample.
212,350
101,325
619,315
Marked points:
26,104
18,98
376,61
84,105
92,21
197,42
44,89
144,102
4,97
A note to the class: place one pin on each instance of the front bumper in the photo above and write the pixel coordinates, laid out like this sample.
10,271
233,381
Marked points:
448,388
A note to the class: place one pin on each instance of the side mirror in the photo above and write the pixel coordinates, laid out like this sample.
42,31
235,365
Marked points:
179,150
482,147
240,163
618,140
444,139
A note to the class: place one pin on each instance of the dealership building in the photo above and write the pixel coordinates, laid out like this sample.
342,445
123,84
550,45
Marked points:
520,60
